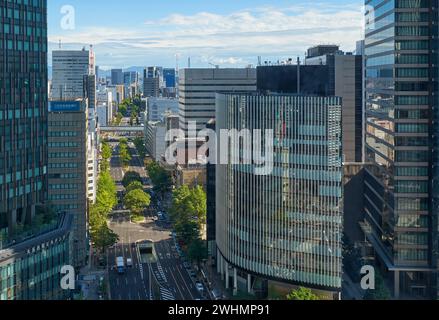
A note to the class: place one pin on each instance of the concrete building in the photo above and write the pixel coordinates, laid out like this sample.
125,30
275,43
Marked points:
280,229
157,108
197,89
68,168
155,139
69,69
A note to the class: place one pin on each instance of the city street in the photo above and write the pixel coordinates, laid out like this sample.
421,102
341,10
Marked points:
165,279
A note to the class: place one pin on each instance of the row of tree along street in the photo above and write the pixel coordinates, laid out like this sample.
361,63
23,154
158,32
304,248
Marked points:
106,199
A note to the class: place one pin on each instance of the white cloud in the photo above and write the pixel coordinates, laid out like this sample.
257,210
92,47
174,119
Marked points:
233,39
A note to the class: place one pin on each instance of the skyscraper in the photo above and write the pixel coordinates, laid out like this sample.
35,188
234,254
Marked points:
31,254
23,112
282,227
402,187
117,77
69,69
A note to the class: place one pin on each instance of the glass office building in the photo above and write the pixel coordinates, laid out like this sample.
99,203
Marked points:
284,226
23,111
401,142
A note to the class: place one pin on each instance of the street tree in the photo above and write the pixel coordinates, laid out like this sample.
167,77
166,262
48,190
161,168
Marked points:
135,185
137,201
302,294
131,176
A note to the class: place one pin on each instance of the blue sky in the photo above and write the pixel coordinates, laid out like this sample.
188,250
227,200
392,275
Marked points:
227,32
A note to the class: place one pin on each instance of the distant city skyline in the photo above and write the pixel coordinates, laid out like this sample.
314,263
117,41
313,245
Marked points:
225,33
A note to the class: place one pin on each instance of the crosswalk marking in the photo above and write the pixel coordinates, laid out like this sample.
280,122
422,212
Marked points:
166,295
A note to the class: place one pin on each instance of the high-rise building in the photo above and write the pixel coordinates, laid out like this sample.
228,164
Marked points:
69,69
155,139
331,74
68,167
31,254
23,113
117,77
402,186
157,108
279,229
197,89
169,77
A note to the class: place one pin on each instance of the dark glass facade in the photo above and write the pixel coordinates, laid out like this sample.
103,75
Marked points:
401,132
23,110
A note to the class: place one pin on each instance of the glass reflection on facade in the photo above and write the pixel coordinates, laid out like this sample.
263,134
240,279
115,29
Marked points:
286,225
401,217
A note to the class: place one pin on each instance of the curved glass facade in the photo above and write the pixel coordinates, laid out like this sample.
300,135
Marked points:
286,225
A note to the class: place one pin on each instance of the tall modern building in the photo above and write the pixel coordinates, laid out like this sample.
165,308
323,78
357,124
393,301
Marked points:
30,258
69,168
151,82
117,77
169,77
402,187
69,69
23,112
157,108
281,229
197,89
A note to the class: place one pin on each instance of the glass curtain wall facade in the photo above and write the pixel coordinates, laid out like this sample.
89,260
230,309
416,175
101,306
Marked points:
401,132
285,226
23,111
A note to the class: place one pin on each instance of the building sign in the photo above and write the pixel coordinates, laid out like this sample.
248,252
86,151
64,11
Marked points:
64,106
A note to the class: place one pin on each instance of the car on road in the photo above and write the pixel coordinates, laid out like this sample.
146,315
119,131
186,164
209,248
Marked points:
199,286
193,274
187,265
129,263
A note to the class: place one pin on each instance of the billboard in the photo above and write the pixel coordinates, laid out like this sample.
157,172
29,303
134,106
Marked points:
64,106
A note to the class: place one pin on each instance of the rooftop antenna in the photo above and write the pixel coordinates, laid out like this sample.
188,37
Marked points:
189,62
60,44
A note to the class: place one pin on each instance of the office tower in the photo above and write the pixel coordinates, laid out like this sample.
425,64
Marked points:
402,188
23,114
346,81
151,82
169,77
282,228
116,77
158,107
130,77
68,167
69,69
331,74
197,88
155,139
23,161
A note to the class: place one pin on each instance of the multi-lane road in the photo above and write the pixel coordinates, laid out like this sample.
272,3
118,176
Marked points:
164,279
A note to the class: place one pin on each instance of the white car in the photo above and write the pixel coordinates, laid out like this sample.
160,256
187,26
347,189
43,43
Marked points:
199,287
129,263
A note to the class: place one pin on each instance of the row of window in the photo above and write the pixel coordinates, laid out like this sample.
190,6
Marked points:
411,204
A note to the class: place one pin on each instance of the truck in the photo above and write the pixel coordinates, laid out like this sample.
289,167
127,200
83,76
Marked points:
120,264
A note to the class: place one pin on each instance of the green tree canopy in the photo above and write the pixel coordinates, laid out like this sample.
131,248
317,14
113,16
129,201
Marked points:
381,291
137,201
106,197
160,178
131,176
302,294
197,251
135,185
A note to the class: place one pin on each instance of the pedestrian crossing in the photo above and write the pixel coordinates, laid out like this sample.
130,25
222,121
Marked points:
160,274
166,295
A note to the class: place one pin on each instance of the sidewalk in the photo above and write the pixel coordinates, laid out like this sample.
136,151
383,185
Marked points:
216,282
